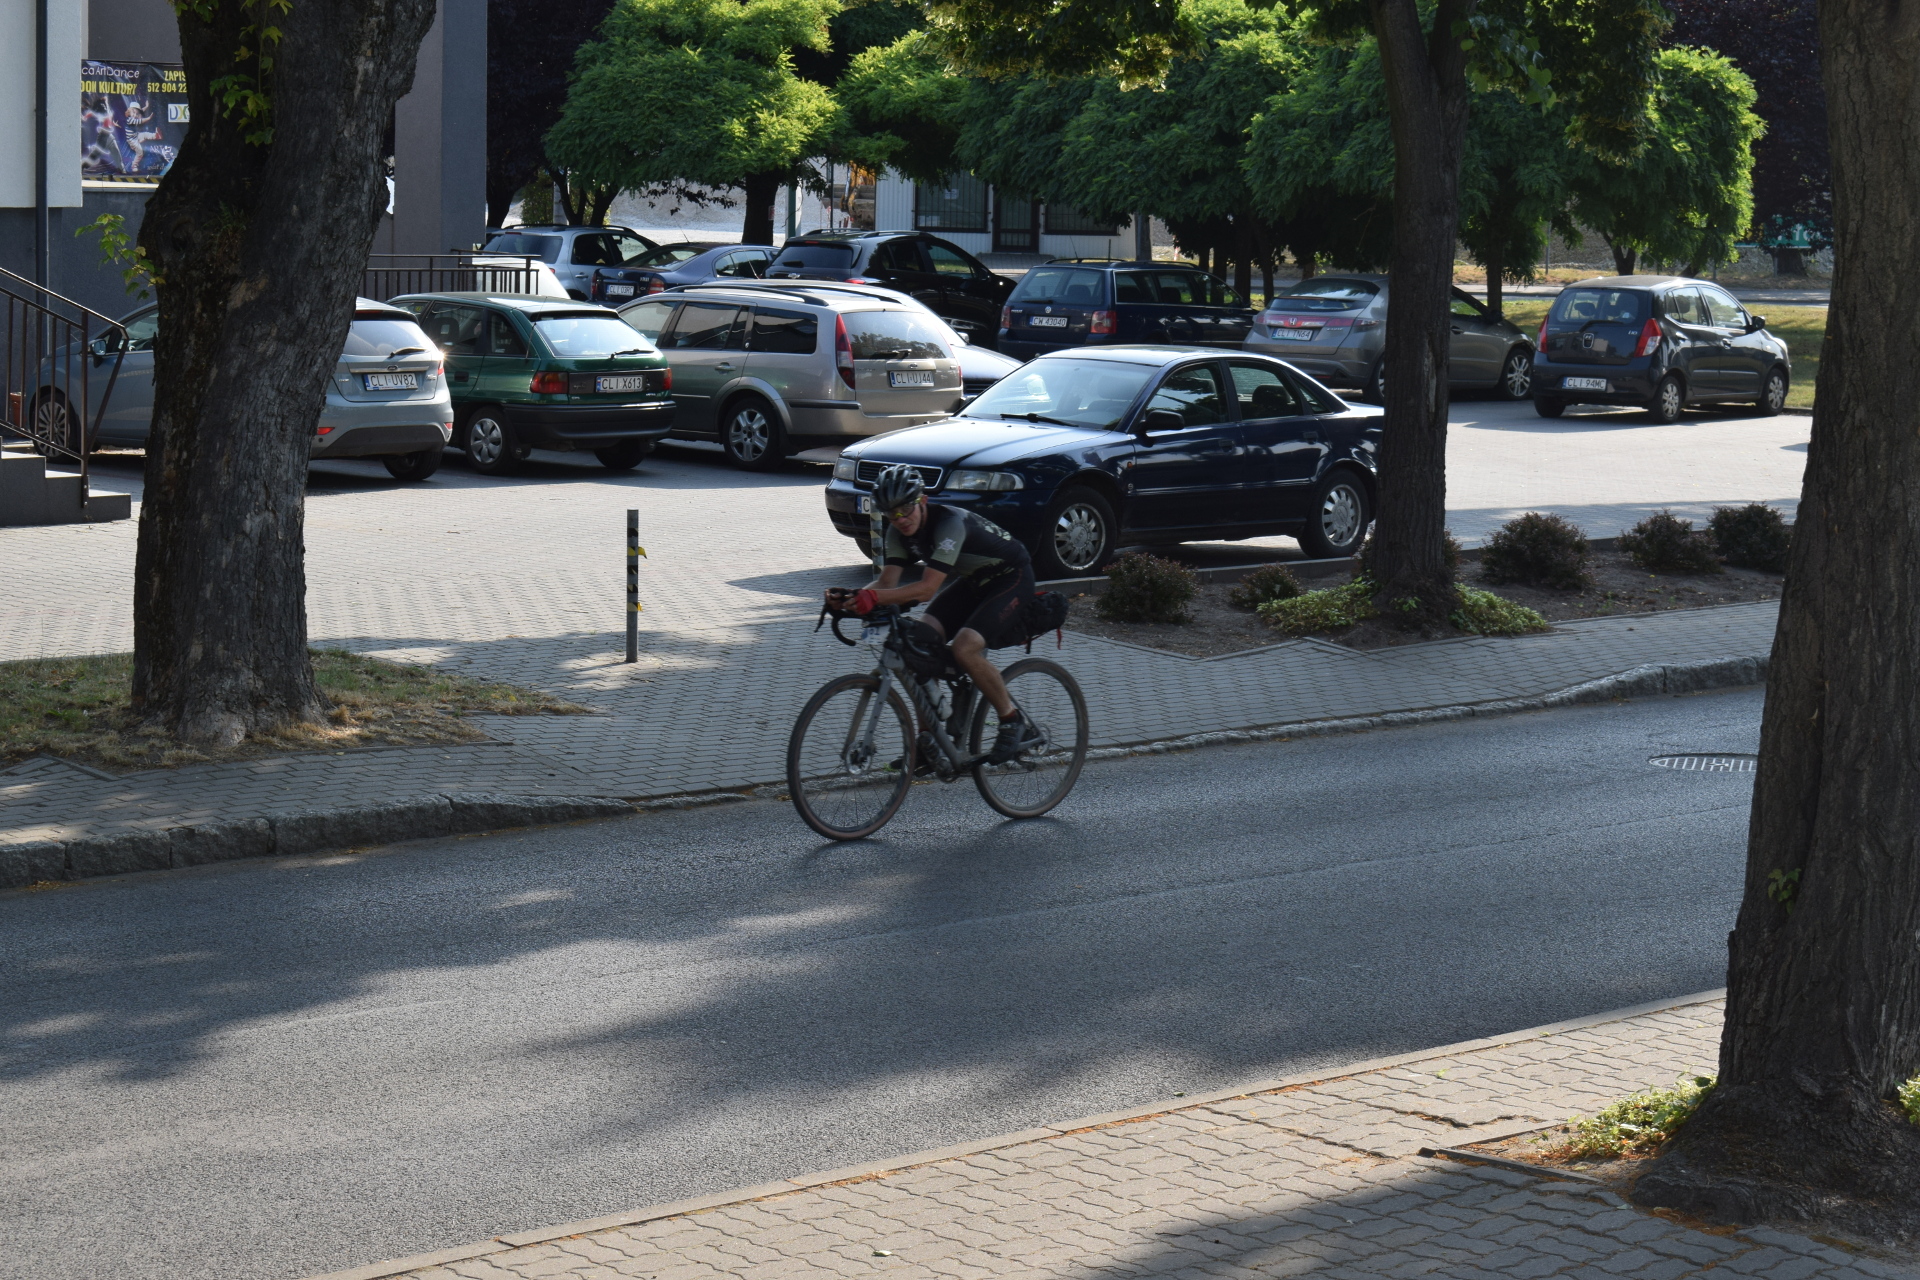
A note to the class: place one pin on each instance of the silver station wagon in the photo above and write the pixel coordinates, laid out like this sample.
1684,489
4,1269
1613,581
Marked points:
387,398
770,370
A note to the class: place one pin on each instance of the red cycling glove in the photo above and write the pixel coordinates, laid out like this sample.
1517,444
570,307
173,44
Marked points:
865,602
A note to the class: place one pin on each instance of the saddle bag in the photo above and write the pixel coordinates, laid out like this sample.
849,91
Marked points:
1043,611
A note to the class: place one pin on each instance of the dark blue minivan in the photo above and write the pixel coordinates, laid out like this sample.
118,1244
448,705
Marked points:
1095,302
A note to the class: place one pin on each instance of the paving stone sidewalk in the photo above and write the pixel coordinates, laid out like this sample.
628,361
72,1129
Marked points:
1318,1177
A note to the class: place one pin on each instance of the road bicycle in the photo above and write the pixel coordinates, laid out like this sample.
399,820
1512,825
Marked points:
859,743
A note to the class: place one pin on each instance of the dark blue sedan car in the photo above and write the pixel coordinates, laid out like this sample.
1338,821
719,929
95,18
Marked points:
1093,302
694,262
1080,452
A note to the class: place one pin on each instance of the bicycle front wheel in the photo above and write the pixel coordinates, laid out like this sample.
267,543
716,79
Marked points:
850,759
1040,778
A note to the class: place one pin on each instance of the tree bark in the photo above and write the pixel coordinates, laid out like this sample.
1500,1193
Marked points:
1243,257
1496,265
1823,999
1427,112
1307,264
261,249
1624,256
757,225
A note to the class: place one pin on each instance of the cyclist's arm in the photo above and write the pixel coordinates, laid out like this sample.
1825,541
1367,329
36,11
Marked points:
885,590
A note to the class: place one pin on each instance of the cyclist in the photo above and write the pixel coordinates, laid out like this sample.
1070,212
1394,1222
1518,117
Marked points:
978,578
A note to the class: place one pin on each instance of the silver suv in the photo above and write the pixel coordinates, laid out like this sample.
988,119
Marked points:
771,369
574,253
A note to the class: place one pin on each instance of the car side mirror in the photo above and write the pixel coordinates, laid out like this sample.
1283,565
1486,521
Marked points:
1162,420
1755,323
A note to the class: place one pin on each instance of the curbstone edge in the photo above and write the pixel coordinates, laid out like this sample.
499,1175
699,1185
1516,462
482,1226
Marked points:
485,811
25,864
314,830
221,842
116,855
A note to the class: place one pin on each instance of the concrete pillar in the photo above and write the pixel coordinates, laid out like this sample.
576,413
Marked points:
440,139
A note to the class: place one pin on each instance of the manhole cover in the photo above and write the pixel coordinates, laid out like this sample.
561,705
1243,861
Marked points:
1703,762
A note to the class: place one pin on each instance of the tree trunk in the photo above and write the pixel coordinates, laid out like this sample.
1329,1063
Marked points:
261,250
1427,111
1823,990
1496,265
1623,256
1243,257
1306,263
757,225
1266,280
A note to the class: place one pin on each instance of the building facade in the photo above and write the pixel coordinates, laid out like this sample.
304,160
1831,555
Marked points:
984,219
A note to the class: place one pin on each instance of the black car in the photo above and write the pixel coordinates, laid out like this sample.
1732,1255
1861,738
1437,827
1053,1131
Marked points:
1080,452
1660,342
1087,302
694,262
951,282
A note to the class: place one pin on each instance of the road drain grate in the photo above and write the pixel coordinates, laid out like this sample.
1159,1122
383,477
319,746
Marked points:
1703,762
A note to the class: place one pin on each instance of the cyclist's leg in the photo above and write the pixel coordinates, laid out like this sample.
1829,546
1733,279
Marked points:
991,622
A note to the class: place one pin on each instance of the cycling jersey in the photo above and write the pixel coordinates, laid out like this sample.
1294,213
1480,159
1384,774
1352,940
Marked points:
958,543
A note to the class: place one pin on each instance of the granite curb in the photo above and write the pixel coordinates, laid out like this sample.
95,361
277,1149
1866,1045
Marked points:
282,835
806,1181
426,817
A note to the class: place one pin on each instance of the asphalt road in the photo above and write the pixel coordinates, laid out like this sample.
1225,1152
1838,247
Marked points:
279,1068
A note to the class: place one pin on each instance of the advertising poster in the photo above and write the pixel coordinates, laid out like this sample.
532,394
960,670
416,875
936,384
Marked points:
133,118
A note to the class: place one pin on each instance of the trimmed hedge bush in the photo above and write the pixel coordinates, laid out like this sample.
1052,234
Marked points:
1144,588
1264,585
1665,542
1754,536
1337,608
1540,550
1487,614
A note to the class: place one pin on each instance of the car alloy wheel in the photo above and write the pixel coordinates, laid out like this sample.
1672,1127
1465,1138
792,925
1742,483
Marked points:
52,422
1079,536
1668,399
1341,512
1776,396
1380,382
747,434
1516,378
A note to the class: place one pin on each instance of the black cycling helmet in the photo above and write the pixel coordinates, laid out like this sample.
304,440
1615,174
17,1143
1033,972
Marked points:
899,486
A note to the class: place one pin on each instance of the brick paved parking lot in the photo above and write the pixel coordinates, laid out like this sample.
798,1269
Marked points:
521,579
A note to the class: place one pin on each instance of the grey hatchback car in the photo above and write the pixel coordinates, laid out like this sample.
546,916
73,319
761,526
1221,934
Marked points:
387,398
574,253
770,369
1335,328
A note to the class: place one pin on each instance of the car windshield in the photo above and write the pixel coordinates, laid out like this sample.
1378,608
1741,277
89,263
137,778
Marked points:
1070,285
1328,293
545,248
1086,393
378,337
816,257
586,336
609,249
668,255
1602,306
896,335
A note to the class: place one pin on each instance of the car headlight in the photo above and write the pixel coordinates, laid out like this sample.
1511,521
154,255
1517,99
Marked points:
985,481
846,469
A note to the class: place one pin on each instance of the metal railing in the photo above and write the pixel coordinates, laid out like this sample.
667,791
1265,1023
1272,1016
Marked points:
389,275
54,356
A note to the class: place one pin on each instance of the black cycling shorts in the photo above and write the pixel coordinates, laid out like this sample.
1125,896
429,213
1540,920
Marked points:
992,607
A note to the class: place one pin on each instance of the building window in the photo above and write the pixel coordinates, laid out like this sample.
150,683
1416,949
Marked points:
1065,220
959,203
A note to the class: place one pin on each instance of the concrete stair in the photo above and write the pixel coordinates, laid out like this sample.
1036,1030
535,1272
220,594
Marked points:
30,495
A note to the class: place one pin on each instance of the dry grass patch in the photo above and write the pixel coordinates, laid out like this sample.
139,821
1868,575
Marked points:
77,709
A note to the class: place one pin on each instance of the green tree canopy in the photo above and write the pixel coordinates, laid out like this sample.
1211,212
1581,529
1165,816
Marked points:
1687,195
702,92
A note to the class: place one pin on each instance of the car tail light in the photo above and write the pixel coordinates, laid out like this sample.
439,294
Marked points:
1006,319
1649,338
1104,322
666,379
656,285
548,384
1541,341
863,280
842,350
440,371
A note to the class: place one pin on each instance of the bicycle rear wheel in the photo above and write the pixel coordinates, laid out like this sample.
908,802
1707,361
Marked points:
1040,778
849,768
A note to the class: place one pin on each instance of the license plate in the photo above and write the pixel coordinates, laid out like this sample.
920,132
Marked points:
1296,335
390,381
1047,322
910,378
619,291
1584,384
628,382
866,505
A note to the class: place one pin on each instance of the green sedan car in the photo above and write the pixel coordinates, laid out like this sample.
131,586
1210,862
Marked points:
545,373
